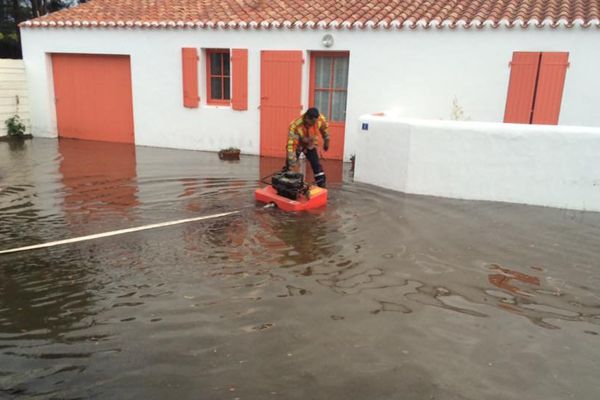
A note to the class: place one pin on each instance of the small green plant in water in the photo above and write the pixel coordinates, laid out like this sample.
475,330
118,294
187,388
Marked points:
14,126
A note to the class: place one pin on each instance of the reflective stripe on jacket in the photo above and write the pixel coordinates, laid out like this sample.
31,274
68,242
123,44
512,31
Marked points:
298,130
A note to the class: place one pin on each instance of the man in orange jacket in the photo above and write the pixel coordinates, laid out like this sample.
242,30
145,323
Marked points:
303,137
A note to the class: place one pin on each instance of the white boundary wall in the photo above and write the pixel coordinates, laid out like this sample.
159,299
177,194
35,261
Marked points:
13,85
416,72
554,166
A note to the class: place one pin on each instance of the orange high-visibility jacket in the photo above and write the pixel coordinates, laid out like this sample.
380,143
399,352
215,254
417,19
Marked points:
298,130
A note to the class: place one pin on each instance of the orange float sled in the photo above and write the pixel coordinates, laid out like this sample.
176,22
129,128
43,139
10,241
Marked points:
315,197
289,192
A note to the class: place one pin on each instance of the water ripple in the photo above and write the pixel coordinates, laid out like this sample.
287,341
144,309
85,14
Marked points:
176,302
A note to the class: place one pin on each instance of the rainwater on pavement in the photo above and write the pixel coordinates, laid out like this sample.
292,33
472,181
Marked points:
380,295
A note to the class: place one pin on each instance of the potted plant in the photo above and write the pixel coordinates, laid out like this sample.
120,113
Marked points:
231,153
15,128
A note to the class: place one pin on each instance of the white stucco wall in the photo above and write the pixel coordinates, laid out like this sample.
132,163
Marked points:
417,73
554,166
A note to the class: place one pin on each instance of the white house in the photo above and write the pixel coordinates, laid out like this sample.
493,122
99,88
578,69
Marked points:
212,74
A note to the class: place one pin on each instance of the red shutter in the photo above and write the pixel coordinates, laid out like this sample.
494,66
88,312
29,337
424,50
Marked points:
239,60
521,88
551,81
190,77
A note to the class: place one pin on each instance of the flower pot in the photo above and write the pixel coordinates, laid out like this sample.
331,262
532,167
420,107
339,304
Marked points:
229,154
15,138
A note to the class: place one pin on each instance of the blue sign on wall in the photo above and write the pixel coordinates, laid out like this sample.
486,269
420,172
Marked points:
365,126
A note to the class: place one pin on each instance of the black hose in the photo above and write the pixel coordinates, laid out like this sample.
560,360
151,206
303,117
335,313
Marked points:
263,179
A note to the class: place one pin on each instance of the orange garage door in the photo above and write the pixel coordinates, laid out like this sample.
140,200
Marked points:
93,97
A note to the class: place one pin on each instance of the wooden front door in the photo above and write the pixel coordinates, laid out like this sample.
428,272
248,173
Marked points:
280,98
328,93
93,97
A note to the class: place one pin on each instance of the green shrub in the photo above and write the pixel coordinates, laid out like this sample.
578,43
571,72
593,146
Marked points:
14,126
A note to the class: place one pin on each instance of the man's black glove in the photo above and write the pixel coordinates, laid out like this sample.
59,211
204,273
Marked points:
326,144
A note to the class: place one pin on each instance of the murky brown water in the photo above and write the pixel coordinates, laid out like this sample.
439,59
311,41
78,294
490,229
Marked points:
378,296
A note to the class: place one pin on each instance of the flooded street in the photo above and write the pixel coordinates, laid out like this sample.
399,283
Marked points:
380,295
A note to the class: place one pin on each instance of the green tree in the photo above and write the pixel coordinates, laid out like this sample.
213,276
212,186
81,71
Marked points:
13,12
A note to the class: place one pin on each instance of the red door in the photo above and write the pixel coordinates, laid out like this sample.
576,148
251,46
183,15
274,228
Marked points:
280,98
93,97
328,93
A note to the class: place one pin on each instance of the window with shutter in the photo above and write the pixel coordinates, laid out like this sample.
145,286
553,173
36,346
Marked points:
218,77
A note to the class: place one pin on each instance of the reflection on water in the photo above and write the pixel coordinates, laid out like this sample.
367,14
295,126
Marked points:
44,298
186,309
334,169
507,279
99,181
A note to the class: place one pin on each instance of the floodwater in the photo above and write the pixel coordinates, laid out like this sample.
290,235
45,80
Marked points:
380,295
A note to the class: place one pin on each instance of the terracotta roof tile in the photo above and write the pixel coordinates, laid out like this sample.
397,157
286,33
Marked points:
322,13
